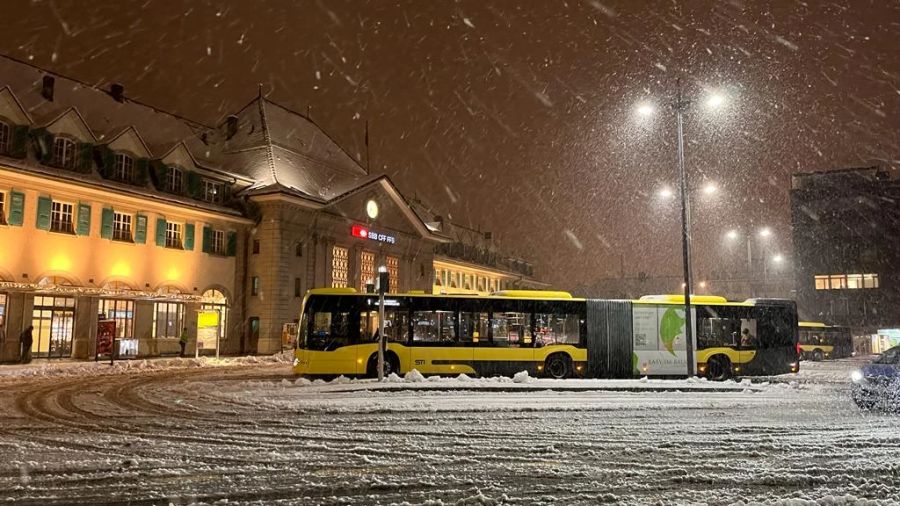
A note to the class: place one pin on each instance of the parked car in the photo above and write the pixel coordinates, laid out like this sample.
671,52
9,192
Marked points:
877,385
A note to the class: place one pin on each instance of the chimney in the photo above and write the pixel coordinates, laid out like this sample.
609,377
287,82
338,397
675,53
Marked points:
47,88
231,126
117,91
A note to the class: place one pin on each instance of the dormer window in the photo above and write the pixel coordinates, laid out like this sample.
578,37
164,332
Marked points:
64,153
124,169
212,191
4,138
174,180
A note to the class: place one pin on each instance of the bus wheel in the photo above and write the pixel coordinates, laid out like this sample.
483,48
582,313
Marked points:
391,365
558,366
718,368
817,356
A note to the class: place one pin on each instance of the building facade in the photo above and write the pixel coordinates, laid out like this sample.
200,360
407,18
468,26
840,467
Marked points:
115,215
846,237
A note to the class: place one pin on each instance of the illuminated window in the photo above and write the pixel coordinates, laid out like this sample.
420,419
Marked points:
63,152
122,227
366,269
339,267
174,180
393,267
870,280
838,281
2,208
168,318
173,235
124,169
846,281
254,285
437,277
212,191
4,137
61,218
122,311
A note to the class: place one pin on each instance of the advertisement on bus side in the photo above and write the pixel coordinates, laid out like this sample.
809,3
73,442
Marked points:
659,341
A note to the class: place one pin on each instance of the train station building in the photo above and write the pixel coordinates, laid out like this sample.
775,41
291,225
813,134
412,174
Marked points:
118,217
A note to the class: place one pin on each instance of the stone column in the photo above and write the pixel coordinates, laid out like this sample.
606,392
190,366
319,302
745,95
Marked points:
85,337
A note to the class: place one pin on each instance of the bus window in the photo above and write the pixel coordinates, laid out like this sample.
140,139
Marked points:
330,330
473,327
557,329
396,318
714,332
512,329
434,327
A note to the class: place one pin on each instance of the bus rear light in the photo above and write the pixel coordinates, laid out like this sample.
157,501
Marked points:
793,366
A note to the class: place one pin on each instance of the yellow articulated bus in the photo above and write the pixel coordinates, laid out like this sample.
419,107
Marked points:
545,333
819,341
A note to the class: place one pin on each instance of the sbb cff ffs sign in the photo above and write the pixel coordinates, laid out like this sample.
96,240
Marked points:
365,233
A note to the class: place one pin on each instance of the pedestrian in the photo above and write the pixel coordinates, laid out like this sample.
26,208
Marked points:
183,341
25,340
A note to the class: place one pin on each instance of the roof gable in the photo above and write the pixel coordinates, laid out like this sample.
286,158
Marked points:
11,108
394,212
130,141
71,123
179,155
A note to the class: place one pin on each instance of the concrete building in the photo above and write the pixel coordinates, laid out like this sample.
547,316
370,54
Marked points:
846,235
114,211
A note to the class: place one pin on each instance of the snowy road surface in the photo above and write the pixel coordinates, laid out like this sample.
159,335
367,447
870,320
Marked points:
252,434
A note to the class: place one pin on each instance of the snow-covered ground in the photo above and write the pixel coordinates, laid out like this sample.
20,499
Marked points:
252,433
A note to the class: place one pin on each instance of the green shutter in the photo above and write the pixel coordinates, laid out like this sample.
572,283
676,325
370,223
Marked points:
18,145
16,208
140,229
194,185
106,223
43,144
141,170
43,213
231,248
161,232
85,161
159,174
206,246
107,161
189,236
84,219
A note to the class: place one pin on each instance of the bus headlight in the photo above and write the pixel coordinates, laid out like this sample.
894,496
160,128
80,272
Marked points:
856,376
296,361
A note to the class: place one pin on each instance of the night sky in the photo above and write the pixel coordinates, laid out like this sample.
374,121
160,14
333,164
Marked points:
519,116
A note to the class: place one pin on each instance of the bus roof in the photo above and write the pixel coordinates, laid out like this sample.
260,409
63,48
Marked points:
503,294
812,324
679,299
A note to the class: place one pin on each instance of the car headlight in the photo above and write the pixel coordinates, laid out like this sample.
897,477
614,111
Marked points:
296,361
856,376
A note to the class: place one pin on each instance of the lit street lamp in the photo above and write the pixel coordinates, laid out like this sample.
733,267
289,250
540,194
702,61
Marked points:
680,106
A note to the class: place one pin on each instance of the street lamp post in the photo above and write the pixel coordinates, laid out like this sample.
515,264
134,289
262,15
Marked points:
680,106
383,282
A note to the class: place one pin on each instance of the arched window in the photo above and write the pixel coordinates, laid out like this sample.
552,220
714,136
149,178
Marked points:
4,137
64,152
124,169
213,318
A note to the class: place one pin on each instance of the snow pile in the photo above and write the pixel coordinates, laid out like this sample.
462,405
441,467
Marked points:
413,376
103,367
522,377
464,377
393,378
340,380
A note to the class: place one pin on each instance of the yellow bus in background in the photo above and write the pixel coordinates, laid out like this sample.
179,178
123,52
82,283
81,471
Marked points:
819,341
545,333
